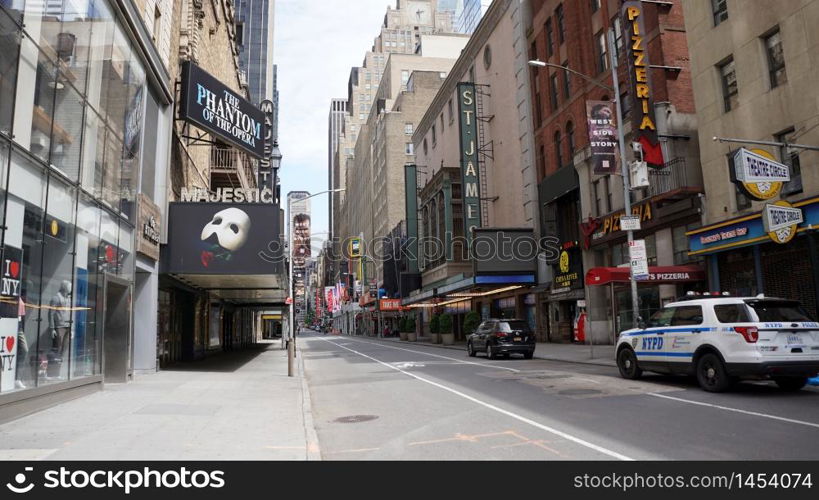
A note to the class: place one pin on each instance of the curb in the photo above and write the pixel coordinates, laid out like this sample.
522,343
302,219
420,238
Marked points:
313,449
610,364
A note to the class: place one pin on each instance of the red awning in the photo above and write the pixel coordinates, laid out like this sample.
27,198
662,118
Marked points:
662,274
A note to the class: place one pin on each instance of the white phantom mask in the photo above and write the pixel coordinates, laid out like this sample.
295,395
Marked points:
231,227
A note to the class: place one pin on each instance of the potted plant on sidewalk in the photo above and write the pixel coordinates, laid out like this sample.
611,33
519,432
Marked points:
412,335
471,323
445,328
402,328
434,329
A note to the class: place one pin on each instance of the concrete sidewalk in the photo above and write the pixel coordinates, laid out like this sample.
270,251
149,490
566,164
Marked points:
233,406
569,353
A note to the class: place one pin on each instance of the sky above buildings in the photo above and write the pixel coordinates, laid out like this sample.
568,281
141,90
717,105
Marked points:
316,45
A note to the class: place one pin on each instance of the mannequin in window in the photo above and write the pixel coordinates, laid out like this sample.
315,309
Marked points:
59,320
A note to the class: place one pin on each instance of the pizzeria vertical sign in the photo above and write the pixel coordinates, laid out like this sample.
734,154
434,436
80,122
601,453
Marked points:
644,121
467,109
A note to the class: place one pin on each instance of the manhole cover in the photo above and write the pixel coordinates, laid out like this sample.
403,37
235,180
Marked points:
355,419
579,392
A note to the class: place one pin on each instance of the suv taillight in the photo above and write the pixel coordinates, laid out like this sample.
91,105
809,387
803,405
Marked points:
501,334
750,333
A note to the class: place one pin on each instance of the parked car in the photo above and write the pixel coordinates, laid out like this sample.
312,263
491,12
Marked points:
723,339
502,337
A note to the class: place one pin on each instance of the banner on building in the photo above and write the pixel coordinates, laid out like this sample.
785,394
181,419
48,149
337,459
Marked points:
602,137
644,122
470,176
301,240
216,108
329,299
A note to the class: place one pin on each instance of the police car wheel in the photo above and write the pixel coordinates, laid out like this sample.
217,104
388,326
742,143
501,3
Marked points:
471,350
711,373
627,364
791,383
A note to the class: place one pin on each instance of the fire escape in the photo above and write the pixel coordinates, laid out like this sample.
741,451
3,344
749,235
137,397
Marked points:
486,150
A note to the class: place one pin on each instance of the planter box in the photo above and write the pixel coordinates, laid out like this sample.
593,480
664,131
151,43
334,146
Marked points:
435,338
448,338
402,335
412,337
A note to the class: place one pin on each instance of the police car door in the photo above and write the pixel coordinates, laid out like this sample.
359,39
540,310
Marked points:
683,336
649,345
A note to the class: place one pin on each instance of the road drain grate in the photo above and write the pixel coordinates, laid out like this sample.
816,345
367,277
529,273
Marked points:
355,419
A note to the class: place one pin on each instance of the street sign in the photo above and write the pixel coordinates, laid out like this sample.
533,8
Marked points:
630,223
639,260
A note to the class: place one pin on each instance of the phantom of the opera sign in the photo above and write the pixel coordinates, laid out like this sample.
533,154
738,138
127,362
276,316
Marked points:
602,136
212,106
469,157
644,121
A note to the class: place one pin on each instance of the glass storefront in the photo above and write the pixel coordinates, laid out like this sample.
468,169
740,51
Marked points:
72,95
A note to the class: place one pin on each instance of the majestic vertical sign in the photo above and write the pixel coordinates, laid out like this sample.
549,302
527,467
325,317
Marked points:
266,174
644,122
602,136
469,158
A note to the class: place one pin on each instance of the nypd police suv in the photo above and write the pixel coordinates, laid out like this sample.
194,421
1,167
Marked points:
721,339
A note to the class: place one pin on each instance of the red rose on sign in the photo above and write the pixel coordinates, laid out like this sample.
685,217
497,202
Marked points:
207,258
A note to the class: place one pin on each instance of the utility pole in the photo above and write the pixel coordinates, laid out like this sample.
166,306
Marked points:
624,167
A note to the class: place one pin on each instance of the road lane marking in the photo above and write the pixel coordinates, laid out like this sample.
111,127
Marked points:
459,361
735,410
551,430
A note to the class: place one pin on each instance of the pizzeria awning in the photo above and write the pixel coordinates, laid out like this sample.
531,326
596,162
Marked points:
660,274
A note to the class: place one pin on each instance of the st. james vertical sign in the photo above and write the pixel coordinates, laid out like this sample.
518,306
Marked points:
469,158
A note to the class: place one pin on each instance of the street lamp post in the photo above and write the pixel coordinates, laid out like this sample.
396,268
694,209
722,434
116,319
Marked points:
635,298
291,340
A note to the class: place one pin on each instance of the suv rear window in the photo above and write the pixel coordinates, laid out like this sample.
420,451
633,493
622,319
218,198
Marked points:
770,310
732,313
509,326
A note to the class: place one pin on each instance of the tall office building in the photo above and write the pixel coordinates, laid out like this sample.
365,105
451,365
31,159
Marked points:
471,14
254,35
338,108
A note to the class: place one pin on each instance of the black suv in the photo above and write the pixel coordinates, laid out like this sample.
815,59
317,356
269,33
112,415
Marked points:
502,336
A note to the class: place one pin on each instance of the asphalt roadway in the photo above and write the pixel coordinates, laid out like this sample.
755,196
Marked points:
378,400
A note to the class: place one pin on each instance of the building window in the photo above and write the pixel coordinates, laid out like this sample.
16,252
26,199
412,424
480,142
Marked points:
541,161
404,77
607,193
720,10
790,157
561,27
550,36
240,30
426,147
776,59
553,91
558,154
408,129
597,198
567,83
570,140
442,122
410,149
602,56
619,41
595,5
434,136
730,90
449,112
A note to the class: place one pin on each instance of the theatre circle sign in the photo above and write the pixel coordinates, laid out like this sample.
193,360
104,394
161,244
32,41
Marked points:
781,221
758,175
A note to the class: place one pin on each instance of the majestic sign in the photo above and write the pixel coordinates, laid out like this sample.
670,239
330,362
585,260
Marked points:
218,239
644,122
266,174
211,105
148,225
780,221
602,136
470,176
228,195
758,175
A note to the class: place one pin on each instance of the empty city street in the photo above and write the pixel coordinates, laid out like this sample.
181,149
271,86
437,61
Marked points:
385,400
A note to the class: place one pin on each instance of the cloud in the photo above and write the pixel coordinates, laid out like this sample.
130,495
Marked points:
316,45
